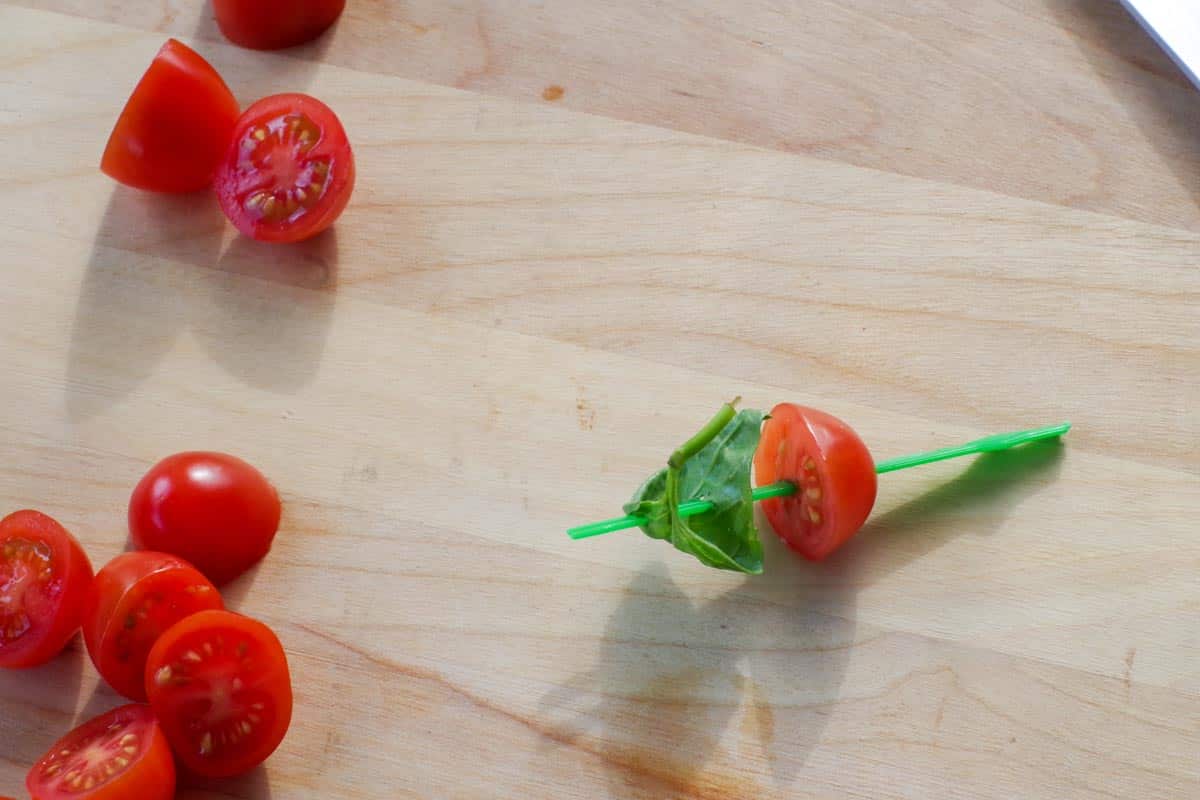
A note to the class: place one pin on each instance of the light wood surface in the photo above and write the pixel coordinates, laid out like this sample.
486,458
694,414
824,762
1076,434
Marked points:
526,307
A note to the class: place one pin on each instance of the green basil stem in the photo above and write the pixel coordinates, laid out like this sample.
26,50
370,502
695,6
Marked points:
704,436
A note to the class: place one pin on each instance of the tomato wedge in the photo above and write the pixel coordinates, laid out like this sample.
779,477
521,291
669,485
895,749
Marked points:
220,686
272,24
213,510
833,472
116,756
44,577
175,126
134,599
289,170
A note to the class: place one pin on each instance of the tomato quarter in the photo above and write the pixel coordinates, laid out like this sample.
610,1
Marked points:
272,24
213,510
220,686
833,473
133,599
116,756
44,577
289,170
175,126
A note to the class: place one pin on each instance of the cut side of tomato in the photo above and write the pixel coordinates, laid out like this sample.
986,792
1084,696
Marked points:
116,756
133,600
833,472
44,578
289,170
220,686
175,126
273,24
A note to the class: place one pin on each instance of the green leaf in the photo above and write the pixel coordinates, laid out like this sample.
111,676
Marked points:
719,472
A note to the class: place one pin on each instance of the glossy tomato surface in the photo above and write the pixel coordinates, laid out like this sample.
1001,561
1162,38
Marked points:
273,24
44,578
220,686
289,170
212,510
832,470
133,600
175,127
120,755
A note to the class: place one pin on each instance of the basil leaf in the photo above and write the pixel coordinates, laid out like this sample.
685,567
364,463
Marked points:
719,472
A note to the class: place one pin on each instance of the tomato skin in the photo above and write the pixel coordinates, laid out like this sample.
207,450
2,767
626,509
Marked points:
148,771
274,24
282,164
213,510
133,600
175,126
57,601
832,469
220,660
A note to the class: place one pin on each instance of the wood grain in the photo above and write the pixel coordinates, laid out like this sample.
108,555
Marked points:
1061,101
522,311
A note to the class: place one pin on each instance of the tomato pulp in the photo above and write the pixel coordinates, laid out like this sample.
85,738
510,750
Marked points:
220,686
272,24
119,755
215,511
44,577
132,601
175,126
288,171
833,472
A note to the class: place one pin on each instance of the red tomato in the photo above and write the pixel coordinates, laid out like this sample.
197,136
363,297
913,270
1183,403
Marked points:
220,686
288,172
272,24
44,577
134,598
175,127
213,510
116,756
833,472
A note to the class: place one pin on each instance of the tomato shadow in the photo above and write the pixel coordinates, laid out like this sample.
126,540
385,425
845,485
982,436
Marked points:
976,502
271,310
132,306
234,593
254,785
673,675
42,704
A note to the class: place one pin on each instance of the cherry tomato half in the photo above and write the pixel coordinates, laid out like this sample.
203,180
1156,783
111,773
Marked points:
272,24
116,756
213,510
289,170
44,577
134,598
175,127
833,472
220,686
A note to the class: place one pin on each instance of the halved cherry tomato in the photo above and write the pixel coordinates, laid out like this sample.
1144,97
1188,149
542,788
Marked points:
833,472
272,24
44,577
175,127
133,600
220,686
289,170
116,756
212,510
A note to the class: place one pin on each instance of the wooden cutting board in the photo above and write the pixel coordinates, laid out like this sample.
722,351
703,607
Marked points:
526,307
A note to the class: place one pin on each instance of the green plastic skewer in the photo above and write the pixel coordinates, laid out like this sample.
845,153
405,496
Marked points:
988,444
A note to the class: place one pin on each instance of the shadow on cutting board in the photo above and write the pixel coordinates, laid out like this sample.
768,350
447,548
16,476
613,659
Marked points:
254,785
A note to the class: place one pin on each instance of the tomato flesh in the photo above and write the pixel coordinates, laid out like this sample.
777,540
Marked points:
213,510
175,126
289,170
220,685
121,754
44,577
273,24
833,472
133,600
